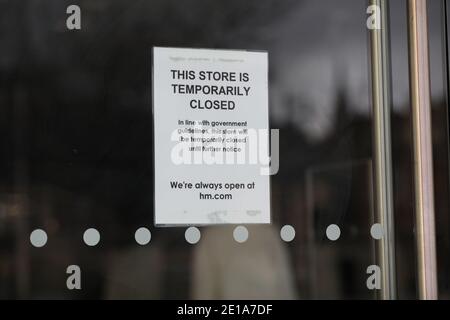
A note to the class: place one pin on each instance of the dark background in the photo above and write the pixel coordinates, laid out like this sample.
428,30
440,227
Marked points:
76,137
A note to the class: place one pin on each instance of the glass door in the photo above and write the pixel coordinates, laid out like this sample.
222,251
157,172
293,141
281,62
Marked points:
350,107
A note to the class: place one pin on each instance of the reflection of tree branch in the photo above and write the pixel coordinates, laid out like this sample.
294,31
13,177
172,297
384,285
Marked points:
108,25
224,17
191,20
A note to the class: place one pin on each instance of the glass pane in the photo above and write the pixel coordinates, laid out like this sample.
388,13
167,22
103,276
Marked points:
76,152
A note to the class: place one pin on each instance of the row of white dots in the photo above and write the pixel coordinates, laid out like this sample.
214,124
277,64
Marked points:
91,236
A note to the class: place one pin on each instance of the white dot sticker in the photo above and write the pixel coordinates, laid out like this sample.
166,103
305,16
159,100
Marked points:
192,235
287,233
240,234
38,238
376,231
333,232
142,236
91,237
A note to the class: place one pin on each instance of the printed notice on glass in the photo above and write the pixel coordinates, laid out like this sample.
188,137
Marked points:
211,137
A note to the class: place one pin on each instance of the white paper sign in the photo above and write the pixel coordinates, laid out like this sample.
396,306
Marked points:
210,112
